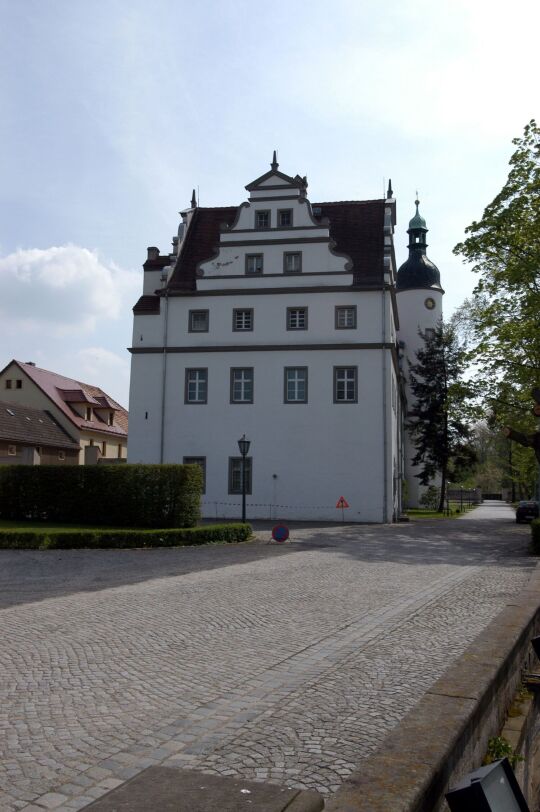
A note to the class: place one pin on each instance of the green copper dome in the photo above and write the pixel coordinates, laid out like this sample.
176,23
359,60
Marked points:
417,221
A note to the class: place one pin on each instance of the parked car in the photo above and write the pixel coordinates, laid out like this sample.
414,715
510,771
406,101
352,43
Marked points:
526,511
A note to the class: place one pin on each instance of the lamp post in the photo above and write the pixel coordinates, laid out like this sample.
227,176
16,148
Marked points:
243,445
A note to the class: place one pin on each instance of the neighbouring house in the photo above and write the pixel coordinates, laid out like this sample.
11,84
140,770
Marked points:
281,320
33,437
96,422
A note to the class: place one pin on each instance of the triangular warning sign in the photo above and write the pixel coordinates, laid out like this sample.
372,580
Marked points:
342,502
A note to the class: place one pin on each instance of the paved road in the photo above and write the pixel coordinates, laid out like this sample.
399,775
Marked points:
287,663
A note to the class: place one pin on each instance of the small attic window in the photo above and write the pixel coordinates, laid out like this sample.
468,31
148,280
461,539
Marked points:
27,418
10,412
111,418
8,383
18,384
88,414
317,211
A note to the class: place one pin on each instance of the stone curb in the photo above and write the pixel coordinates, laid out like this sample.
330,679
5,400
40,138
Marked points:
446,733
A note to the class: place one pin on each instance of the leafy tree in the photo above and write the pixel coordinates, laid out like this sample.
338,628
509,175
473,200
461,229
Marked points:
502,319
438,418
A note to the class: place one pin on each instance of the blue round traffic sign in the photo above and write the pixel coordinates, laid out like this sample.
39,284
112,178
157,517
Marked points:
280,532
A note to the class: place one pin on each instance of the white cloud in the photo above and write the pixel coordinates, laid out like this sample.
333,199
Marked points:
64,289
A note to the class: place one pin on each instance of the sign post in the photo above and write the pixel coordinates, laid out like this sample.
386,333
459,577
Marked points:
342,503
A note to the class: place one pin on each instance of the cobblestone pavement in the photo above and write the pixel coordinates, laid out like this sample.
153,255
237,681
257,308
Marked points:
288,663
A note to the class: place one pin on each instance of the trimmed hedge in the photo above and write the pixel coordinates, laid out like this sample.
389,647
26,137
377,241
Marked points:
121,539
125,495
535,536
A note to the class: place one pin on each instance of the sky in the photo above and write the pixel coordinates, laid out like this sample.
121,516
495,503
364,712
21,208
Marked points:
113,111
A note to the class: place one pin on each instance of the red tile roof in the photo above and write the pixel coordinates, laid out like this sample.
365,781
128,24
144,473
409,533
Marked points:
356,227
57,387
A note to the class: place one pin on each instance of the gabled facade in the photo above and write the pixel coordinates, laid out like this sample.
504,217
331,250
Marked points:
85,412
275,319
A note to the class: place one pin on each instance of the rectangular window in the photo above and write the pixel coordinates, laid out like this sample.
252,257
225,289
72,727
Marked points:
119,451
243,319
18,384
8,383
254,263
235,474
297,318
345,387
198,321
196,389
284,217
88,414
198,461
242,385
292,262
104,448
61,455
296,384
262,219
111,418
12,450
346,317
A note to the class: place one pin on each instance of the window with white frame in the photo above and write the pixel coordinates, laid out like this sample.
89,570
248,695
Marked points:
297,318
345,385
235,474
254,263
196,389
12,450
345,317
262,218
61,455
292,262
243,319
242,385
201,461
296,380
198,321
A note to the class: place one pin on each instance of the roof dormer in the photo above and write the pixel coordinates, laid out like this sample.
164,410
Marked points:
275,184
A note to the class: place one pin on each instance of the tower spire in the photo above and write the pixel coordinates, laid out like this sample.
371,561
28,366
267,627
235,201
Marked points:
274,165
193,200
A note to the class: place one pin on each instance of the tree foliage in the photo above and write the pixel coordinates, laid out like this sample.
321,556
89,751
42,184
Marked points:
439,417
503,316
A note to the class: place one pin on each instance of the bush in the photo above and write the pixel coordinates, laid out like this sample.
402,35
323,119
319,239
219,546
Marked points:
535,536
132,495
430,498
121,539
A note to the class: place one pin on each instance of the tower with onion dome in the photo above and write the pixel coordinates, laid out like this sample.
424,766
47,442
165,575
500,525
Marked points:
419,294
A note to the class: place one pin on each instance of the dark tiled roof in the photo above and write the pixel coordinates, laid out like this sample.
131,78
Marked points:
21,424
356,227
201,242
147,306
53,385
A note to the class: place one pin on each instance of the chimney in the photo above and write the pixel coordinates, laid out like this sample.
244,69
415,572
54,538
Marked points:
30,363
153,252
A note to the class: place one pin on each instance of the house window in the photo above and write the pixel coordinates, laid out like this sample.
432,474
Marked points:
111,418
196,390
346,318
262,219
104,448
119,451
201,461
91,443
8,383
198,321
297,318
254,263
89,413
235,474
61,455
18,384
345,385
243,319
284,217
12,450
292,262
296,384
242,385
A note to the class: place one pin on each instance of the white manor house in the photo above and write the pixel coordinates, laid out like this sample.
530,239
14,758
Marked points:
288,322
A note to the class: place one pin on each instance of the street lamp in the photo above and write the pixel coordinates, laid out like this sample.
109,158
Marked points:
243,445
